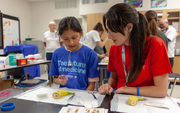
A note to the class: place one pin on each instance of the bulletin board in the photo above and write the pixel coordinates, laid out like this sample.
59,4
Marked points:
10,31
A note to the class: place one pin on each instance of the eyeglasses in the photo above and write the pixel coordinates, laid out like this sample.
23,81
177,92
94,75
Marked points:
161,24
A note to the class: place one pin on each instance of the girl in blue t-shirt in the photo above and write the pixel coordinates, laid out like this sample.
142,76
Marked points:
74,65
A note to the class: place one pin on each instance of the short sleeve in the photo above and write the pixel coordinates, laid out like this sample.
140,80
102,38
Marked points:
54,66
93,65
159,61
95,36
110,66
171,34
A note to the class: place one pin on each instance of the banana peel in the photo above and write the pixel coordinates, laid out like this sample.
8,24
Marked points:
133,100
61,93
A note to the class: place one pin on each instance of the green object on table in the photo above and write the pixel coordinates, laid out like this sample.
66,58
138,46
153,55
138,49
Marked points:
28,39
12,59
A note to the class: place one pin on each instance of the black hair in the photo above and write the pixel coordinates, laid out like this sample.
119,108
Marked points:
116,19
69,23
98,27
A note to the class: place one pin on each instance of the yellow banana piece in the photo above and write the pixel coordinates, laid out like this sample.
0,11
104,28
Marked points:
133,100
61,93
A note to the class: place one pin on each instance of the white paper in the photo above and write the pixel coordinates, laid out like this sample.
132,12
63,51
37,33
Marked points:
81,97
33,95
119,103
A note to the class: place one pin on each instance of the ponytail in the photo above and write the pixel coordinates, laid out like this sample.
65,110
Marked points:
137,44
151,16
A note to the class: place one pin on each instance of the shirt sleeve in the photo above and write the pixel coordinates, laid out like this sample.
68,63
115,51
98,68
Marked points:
93,65
54,66
95,36
110,66
159,61
172,34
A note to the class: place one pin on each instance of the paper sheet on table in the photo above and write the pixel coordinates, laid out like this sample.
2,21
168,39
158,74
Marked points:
75,109
47,96
176,100
119,103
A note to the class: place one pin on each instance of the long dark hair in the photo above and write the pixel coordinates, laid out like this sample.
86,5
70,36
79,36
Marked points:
152,21
69,23
117,18
98,27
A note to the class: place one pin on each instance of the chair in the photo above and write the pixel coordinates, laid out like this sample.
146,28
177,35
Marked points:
173,76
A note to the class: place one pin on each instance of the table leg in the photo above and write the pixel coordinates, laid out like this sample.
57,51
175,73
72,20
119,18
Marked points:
50,77
173,87
101,76
105,78
26,73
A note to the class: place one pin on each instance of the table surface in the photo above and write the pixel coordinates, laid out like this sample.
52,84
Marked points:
16,67
25,106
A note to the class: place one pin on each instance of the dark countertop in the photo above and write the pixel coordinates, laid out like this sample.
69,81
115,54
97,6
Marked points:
25,106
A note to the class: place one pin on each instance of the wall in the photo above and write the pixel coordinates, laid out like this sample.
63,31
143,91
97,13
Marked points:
21,9
44,12
103,7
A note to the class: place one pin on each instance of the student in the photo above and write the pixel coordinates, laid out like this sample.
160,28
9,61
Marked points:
74,65
138,62
93,37
101,52
152,22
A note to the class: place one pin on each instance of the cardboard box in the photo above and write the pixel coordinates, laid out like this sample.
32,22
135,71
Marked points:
4,84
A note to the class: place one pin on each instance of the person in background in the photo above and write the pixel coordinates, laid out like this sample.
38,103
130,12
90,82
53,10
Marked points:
138,62
151,16
101,52
93,37
51,40
74,65
171,34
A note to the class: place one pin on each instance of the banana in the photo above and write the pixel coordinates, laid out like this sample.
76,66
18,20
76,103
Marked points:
133,100
61,93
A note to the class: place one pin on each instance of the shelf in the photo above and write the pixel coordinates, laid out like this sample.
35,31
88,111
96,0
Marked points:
172,18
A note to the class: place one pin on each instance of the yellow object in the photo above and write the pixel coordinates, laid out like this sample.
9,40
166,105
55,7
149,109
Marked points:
133,100
61,93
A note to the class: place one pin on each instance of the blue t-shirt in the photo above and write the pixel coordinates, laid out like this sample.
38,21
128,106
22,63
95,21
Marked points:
84,65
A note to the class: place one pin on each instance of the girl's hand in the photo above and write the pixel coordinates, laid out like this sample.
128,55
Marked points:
105,89
62,79
102,56
120,90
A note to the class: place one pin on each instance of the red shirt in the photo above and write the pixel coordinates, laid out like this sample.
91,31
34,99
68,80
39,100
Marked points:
156,62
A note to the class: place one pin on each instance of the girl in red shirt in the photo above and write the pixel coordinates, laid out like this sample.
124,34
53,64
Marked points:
138,62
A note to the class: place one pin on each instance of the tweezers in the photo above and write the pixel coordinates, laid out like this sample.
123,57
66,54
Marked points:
92,93
178,104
